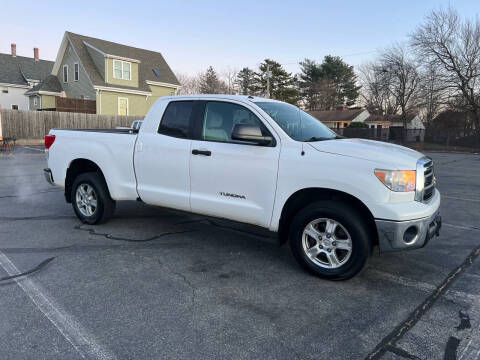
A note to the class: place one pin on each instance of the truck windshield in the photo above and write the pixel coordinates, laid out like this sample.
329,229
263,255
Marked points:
296,123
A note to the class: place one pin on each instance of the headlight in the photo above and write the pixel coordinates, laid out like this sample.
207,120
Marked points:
397,180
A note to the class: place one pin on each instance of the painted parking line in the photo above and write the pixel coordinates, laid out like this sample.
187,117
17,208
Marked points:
32,148
423,286
84,343
458,198
472,349
390,341
471,228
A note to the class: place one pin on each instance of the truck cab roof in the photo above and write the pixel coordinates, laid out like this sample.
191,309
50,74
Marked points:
243,98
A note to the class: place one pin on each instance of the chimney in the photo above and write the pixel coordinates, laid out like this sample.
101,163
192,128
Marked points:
14,49
35,54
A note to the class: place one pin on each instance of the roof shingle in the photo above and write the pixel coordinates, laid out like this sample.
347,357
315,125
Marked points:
50,84
336,115
17,69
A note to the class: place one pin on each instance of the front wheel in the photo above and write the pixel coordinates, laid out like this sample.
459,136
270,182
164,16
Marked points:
330,240
91,200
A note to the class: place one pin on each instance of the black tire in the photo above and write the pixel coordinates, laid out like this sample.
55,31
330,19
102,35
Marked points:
105,205
351,220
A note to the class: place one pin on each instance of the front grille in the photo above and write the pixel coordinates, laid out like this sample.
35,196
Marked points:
429,182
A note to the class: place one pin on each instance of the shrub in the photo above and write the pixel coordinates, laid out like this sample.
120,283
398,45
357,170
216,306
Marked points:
358,125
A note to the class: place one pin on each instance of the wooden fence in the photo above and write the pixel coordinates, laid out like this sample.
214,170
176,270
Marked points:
64,104
19,124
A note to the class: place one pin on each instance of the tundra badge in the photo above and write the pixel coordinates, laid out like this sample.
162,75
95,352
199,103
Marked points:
232,195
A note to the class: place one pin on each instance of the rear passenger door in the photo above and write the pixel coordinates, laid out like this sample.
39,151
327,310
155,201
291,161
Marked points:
232,179
162,158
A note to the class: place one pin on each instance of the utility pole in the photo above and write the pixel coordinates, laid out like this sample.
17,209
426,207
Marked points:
268,80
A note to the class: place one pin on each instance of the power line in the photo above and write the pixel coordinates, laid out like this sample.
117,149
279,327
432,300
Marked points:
359,53
342,56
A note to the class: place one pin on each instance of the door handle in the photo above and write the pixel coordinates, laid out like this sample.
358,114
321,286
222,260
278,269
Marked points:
201,152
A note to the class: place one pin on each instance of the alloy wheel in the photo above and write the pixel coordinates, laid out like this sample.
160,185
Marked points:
86,199
327,243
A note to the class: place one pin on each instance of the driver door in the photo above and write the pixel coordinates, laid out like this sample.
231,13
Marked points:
231,179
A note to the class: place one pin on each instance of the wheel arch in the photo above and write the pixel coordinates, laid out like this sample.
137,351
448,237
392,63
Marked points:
306,196
77,167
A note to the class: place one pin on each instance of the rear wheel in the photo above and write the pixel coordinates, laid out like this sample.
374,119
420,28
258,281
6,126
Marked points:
91,200
330,240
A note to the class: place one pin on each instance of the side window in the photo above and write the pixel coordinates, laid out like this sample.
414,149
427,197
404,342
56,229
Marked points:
117,69
176,119
221,117
65,73
76,72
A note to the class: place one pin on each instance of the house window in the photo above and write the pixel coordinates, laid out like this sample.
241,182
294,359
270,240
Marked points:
122,106
122,70
126,70
76,72
117,69
156,72
65,73
5,91
14,107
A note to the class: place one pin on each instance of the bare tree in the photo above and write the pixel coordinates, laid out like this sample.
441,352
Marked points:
229,78
376,90
433,93
403,76
452,45
190,84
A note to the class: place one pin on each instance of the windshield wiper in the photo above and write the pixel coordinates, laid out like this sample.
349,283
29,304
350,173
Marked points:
315,138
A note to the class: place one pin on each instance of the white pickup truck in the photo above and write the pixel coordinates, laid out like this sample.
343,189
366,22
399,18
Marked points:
261,162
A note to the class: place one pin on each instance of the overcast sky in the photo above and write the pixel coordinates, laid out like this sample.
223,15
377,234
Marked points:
192,35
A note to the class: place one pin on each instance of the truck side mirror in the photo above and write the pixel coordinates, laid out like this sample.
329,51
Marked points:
250,133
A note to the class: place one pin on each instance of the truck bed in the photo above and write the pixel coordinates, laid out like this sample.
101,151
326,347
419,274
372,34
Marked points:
111,150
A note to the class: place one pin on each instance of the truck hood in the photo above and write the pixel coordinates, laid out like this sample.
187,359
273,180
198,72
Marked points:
391,155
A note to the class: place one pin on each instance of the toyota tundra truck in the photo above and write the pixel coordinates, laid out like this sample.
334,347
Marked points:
256,161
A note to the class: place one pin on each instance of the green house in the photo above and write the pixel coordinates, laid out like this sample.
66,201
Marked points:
118,79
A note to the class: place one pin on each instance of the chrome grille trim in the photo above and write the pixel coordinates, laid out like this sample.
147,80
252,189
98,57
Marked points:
425,181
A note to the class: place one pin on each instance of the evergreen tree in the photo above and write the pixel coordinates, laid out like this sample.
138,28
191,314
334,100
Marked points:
343,78
246,81
209,83
326,85
308,82
282,83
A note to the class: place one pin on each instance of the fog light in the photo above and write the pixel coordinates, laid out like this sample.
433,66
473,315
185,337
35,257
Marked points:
410,235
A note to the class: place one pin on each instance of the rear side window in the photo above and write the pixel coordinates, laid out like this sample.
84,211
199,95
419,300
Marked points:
176,119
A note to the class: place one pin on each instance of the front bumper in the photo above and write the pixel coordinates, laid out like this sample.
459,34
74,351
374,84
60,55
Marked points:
392,234
48,176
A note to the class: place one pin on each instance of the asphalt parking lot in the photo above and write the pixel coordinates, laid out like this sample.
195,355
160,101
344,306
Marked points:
159,284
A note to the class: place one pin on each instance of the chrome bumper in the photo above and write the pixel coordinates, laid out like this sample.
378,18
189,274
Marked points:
391,234
48,176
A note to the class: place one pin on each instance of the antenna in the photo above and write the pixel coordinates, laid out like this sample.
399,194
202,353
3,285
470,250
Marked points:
268,80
